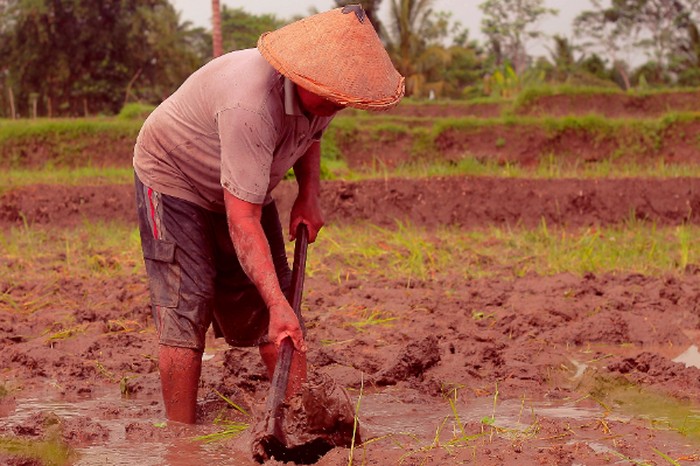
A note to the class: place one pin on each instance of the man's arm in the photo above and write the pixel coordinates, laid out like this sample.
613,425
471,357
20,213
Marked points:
253,252
307,206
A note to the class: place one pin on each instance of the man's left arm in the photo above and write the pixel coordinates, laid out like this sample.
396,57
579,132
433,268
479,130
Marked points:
307,206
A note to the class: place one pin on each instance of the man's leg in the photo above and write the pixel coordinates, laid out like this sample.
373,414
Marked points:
297,372
180,369
177,253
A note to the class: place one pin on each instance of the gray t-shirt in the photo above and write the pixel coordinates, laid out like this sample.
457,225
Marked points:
235,123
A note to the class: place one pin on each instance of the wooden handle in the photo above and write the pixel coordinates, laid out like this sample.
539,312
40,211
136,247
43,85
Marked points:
280,379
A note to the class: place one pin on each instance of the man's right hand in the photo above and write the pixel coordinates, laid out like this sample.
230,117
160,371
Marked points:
284,323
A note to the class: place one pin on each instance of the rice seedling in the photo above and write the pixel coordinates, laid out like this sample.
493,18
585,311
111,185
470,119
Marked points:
667,458
66,333
104,372
229,429
372,318
355,423
122,326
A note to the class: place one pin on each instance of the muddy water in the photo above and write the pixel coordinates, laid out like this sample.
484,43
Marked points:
173,447
381,415
384,415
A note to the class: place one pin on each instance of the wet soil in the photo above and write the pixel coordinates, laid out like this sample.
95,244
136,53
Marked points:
469,202
490,371
527,337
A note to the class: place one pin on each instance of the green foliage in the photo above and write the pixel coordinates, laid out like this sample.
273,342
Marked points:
83,57
135,111
241,30
507,84
532,94
416,44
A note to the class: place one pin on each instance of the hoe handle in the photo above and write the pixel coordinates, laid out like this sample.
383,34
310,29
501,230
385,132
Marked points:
280,379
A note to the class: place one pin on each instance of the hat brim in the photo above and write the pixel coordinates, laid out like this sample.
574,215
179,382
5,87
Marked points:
337,57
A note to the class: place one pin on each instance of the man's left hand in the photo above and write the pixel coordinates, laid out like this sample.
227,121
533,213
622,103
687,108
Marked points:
306,210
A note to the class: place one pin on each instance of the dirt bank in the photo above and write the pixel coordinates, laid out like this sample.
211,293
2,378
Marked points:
469,202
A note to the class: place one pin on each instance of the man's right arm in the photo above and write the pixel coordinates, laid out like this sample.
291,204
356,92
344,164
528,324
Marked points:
254,255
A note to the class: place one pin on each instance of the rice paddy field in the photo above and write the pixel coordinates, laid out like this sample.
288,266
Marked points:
498,283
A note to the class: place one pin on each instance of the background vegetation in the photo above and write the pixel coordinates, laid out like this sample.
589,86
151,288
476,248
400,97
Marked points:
81,58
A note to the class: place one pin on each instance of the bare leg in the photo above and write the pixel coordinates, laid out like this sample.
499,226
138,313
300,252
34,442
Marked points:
180,369
297,372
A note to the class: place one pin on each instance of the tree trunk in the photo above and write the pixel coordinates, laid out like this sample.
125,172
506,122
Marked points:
624,76
217,43
35,101
128,86
11,96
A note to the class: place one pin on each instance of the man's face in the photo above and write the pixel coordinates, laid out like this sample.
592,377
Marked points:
317,105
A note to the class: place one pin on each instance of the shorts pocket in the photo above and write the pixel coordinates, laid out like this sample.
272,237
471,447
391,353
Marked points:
164,274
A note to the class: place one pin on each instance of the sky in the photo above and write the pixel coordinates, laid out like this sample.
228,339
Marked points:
466,12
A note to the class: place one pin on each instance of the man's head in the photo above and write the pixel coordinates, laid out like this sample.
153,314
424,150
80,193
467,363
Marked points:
336,56
317,105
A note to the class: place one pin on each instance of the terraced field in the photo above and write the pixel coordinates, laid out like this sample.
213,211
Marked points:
498,283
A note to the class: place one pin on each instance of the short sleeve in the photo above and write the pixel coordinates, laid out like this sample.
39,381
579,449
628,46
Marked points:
247,147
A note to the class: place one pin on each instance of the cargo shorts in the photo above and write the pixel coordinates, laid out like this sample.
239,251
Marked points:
194,276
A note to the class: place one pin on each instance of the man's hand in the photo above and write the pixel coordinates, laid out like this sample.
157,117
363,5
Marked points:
307,211
307,206
284,323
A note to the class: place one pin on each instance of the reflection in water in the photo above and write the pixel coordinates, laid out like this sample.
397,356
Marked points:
380,414
154,443
690,357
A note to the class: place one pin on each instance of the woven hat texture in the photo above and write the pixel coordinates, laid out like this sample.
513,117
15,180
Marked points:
338,56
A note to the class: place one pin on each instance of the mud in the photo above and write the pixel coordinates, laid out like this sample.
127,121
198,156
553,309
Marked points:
505,370
313,422
525,352
469,202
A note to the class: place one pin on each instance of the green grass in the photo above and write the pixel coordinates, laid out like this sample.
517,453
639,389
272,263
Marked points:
549,167
409,253
66,128
47,452
65,176
99,251
94,253
36,263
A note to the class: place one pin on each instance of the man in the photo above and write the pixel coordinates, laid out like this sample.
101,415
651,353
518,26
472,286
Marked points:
206,161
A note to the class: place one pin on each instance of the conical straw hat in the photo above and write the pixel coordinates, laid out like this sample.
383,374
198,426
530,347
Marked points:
336,55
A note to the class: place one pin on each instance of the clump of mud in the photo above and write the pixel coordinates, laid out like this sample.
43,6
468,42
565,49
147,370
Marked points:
316,420
413,361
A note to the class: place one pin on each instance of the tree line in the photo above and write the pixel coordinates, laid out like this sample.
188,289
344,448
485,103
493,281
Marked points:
81,57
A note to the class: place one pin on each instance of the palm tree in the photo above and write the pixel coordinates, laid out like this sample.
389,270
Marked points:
406,46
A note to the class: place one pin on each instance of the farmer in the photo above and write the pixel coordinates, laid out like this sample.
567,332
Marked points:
206,161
